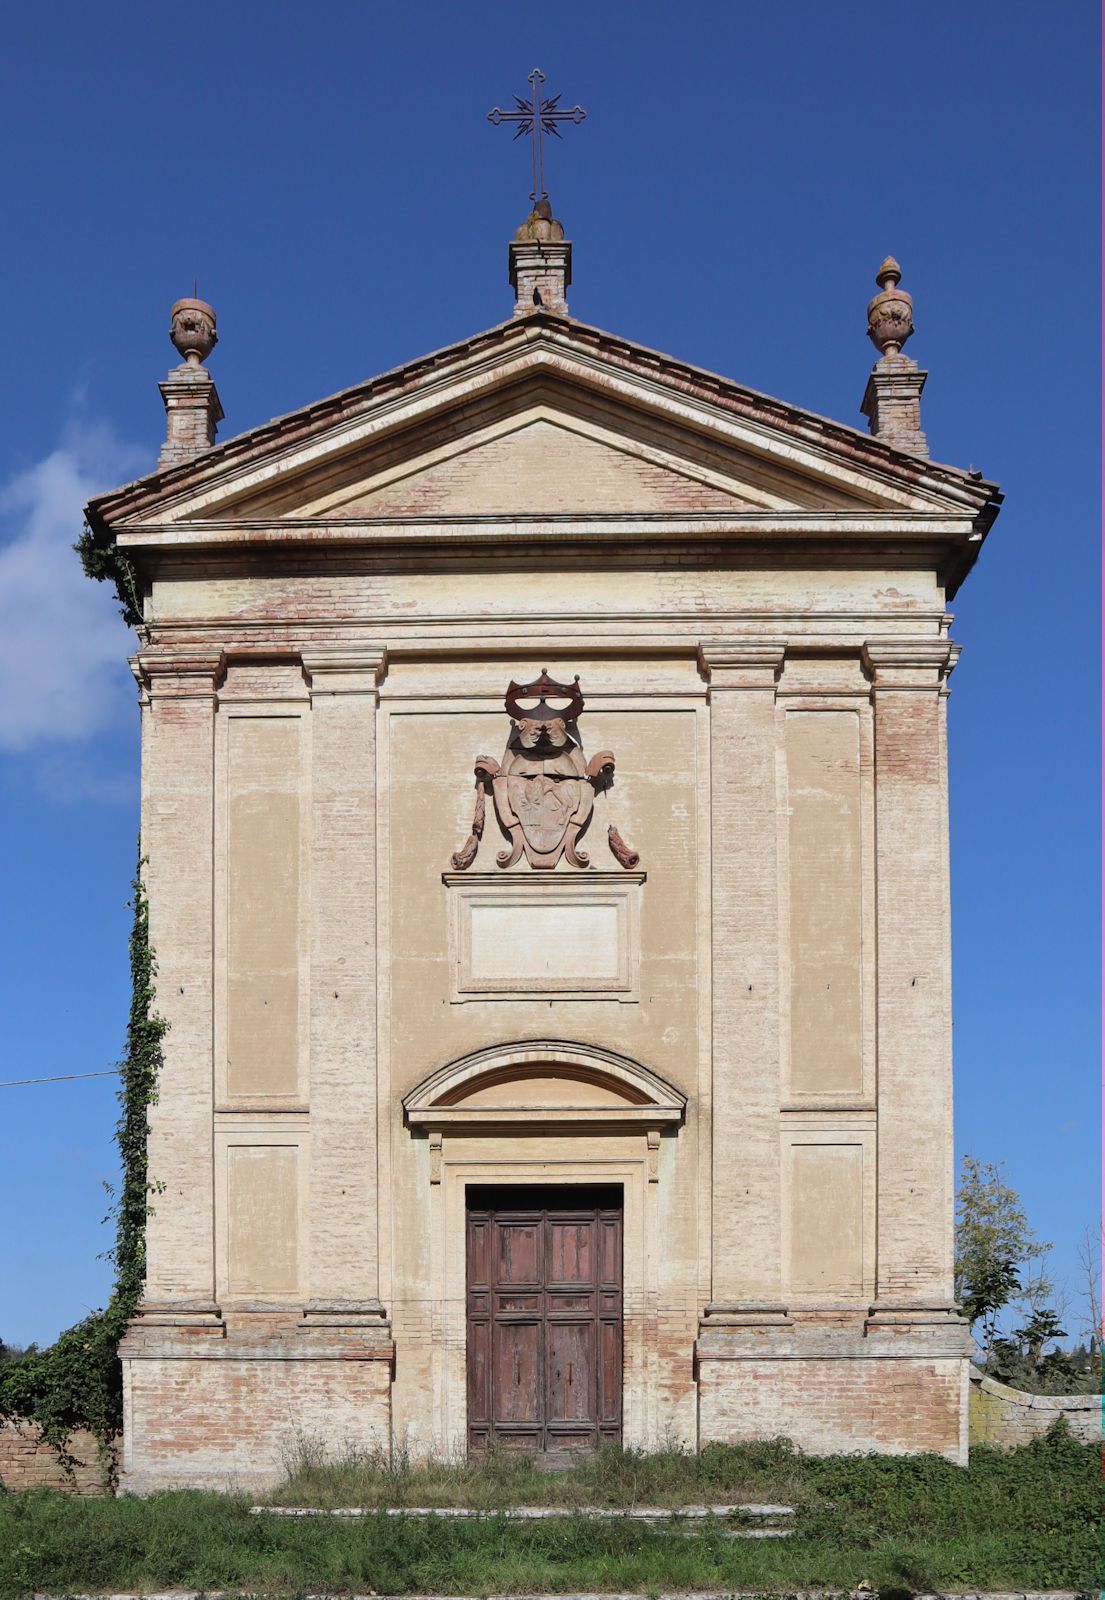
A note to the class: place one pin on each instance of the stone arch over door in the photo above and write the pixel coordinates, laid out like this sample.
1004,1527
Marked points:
554,1080
544,1112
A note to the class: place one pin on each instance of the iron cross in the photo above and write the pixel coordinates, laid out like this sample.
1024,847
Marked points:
536,117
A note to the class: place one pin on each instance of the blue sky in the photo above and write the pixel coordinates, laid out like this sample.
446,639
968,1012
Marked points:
329,175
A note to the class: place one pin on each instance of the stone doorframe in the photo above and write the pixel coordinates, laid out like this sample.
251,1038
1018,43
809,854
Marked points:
544,1111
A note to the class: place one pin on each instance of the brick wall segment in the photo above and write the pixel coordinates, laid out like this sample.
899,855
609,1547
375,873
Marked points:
27,1461
1006,1417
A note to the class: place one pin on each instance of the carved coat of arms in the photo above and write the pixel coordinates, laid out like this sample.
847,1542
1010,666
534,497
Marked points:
543,789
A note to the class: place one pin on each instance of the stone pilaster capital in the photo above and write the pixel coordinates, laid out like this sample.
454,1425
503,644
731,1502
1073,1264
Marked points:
178,674
741,663
910,664
344,670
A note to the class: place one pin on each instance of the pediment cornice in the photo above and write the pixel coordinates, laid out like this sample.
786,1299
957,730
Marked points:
535,349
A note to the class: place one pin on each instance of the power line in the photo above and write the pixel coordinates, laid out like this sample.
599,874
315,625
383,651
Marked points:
65,1077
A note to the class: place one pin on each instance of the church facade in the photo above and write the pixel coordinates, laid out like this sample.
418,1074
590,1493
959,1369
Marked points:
544,804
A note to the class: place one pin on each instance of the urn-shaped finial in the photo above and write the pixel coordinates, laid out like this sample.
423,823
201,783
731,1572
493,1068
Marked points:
193,330
890,313
540,225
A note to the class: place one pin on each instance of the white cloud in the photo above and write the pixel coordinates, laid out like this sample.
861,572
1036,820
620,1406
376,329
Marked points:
63,645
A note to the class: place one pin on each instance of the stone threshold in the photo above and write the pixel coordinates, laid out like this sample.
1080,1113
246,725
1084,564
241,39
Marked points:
685,1520
537,1513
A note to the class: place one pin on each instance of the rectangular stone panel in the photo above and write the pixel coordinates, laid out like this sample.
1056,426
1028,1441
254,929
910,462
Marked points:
825,902
538,944
824,1246
262,1189
263,850
527,936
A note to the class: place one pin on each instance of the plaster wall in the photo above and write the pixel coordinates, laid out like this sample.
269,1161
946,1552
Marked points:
311,726
282,596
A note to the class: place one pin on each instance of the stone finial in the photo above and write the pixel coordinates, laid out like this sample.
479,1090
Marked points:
889,314
541,225
892,400
193,330
192,407
540,264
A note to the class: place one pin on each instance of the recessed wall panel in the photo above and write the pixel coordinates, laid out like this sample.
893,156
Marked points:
263,848
262,1187
825,1247
825,892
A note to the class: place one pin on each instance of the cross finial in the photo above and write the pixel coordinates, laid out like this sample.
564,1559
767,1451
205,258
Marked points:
536,117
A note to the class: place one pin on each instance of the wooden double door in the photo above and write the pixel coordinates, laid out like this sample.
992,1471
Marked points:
544,1285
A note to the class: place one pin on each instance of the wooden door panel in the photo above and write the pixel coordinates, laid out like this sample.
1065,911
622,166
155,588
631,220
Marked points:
479,1242
479,1372
544,1296
610,1251
518,1252
567,1302
570,1363
516,1372
571,1251
610,1373
529,1301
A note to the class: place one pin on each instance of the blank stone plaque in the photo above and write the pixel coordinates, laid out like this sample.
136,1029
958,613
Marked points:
543,936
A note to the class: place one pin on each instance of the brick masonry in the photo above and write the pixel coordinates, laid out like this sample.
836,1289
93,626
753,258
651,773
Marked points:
1007,1417
225,1406
890,1407
27,1461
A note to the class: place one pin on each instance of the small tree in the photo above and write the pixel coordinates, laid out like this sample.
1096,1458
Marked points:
990,1227
1041,1329
984,1295
998,1258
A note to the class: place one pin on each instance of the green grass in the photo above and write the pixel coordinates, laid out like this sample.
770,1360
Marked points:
616,1478
1026,1519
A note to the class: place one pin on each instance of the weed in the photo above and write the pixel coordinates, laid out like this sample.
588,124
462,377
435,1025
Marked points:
1023,1519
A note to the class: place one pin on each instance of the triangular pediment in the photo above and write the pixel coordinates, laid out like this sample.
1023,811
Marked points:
543,420
539,463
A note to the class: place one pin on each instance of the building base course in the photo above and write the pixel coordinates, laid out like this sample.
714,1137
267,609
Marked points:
229,1407
892,1388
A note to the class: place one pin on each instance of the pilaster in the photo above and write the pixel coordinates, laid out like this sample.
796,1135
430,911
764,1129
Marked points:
179,697
915,1152
745,1276
344,1272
